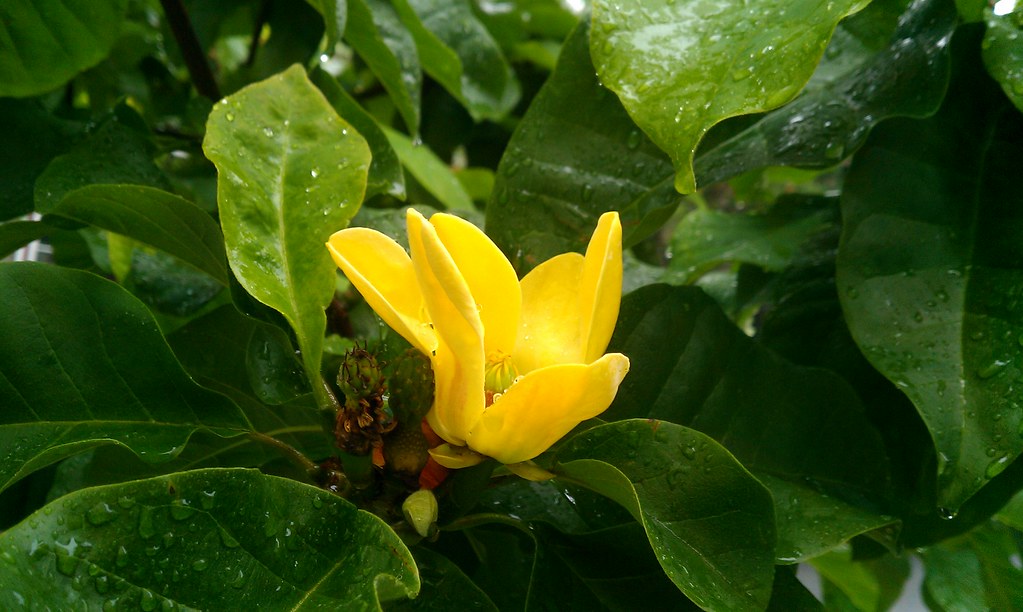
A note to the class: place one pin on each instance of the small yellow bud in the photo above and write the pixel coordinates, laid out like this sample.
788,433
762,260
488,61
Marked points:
500,373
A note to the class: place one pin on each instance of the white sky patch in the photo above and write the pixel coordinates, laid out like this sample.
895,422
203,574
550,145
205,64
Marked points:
1004,7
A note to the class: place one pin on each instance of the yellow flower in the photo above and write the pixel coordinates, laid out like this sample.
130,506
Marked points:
517,364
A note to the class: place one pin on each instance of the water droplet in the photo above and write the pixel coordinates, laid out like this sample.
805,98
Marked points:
268,132
587,193
101,583
122,557
992,368
66,564
315,172
125,501
200,565
230,116
100,514
146,529
207,500
239,580
317,502
181,509
997,466
148,601
946,514
634,139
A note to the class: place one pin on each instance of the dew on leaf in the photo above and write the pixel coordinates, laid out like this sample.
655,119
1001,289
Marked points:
100,514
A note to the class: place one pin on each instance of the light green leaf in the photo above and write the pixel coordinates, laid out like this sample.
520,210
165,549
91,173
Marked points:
681,67
929,272
291,172
710,523
209,539
83,364
459,52
430,171
381,40
335,17
44,43
154,217
1003,52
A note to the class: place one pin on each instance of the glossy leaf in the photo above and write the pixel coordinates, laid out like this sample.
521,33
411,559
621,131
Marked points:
575,155
16,234
705,238
115,153
385,174
1003,52
291,172
929,272
83,364
445,587
154,217
29,139
979,571
208,539
833,115
376,33
870,584
459,52
335,18
46,42
801,430
680,68
708,520
434,175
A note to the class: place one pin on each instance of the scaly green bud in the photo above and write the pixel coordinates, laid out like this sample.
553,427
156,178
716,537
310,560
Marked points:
365,415
411,387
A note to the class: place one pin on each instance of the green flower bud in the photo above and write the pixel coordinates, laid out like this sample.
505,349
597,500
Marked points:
420,511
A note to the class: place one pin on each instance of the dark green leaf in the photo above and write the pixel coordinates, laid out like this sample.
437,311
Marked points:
445,587
16,234
1003,52
833,115
376,33
929,272
83,364
459,52
575,155
274,372
385,174
152,216
44,43
790,595
679,68
113,154
705,237
291,172
801,430
29,139
709,521
208,539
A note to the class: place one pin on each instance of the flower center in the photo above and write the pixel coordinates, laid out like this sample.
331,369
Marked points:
499,374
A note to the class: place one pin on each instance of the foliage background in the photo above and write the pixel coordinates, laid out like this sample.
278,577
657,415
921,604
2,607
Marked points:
823,309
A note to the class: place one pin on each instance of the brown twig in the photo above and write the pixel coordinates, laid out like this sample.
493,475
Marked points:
191,50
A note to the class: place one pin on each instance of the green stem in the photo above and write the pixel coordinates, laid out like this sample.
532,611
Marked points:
358,469
292,453
191,50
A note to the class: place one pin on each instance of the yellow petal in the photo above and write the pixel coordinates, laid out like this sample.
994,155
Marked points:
382,272
549,329
490,277
600,293
529,471
458,362
545,405
455,457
